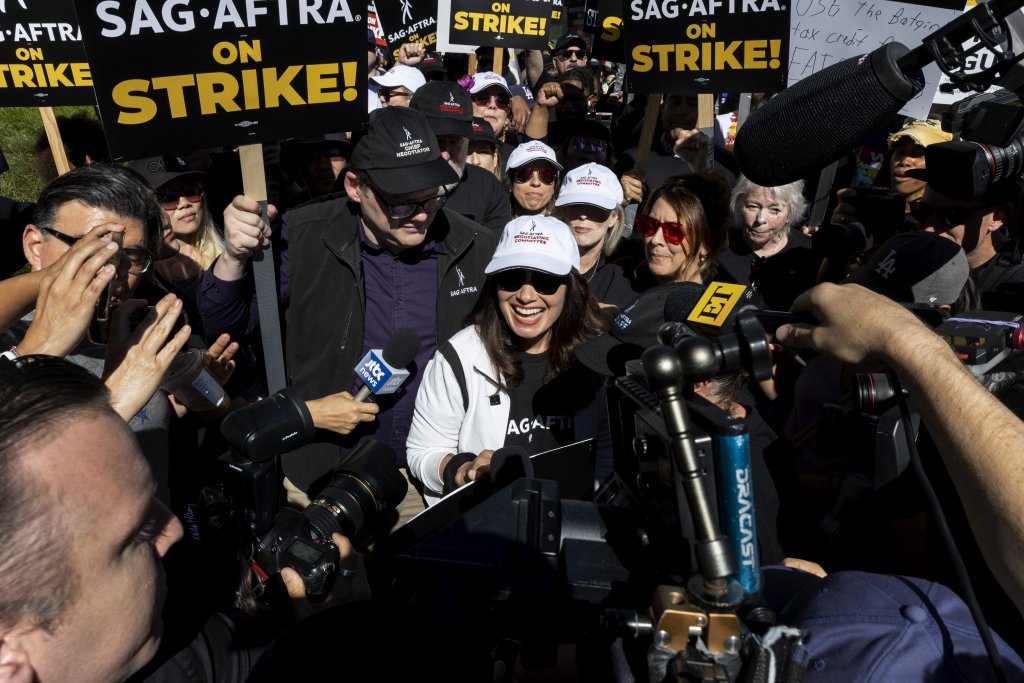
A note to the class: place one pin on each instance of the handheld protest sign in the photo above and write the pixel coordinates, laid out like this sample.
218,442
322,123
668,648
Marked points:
707,46
519,24
42,59
60,157
408,21
604,22
208,73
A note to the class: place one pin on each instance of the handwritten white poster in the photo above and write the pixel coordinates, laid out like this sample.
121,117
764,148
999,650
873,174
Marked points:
824,32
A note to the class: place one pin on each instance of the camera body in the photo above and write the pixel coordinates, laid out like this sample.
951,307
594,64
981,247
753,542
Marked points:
294,542
358,502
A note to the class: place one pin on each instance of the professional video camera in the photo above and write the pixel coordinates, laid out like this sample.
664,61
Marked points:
358,503
614,576
990,147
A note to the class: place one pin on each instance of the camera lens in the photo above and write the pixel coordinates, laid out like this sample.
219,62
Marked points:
872,389
362,495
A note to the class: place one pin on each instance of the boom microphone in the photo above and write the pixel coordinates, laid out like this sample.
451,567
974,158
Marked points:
384,370
838,107
818,119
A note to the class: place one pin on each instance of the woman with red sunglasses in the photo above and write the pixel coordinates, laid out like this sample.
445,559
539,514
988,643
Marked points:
678,243
531,175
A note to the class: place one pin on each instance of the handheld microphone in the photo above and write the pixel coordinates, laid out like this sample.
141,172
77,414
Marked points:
716,311
384,370
678,305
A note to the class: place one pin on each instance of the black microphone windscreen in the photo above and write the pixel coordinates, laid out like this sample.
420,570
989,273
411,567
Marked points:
681,301
820,118
400,350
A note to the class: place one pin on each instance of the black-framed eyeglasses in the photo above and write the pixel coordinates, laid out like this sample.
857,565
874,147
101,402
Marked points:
169,195
139,258
400,210
572,52
544,284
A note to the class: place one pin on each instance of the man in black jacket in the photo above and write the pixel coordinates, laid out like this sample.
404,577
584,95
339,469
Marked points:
359,266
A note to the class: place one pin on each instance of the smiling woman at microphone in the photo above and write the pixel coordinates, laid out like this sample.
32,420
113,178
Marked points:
511,377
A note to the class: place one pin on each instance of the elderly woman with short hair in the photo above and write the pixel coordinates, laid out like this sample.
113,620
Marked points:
766,250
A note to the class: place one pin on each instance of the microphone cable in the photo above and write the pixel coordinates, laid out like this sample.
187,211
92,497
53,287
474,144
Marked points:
963,579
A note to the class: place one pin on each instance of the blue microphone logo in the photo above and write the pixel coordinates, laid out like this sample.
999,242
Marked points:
374,372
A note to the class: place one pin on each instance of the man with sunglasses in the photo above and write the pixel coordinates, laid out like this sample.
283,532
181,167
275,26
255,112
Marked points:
986,229
382,256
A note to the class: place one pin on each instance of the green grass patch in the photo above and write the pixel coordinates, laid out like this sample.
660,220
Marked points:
20,127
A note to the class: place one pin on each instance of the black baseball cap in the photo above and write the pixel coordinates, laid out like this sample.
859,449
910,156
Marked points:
447,106
570,39
400,154
163,169
482,131
432,63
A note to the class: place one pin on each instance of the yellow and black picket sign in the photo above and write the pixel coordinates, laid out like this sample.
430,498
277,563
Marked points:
247,72
706,47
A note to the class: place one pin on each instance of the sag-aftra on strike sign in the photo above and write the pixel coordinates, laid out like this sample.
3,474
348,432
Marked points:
200,73
42,61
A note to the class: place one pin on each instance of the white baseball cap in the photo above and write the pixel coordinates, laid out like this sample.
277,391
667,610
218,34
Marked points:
409,77
591,184
536,242
531,151
485,79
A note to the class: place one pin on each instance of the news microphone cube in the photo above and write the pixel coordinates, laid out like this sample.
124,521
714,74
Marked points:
378,376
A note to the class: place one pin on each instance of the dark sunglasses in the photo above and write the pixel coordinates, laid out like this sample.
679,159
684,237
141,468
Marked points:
946,216
674,233
483,99
544,284
572,52
387,93
400,210
587,144
169,195
524,174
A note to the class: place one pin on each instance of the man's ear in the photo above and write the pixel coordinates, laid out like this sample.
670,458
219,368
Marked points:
14,662
352,187
1001,216
32,244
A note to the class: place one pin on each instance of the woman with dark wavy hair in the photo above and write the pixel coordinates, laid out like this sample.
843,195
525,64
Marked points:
510,378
